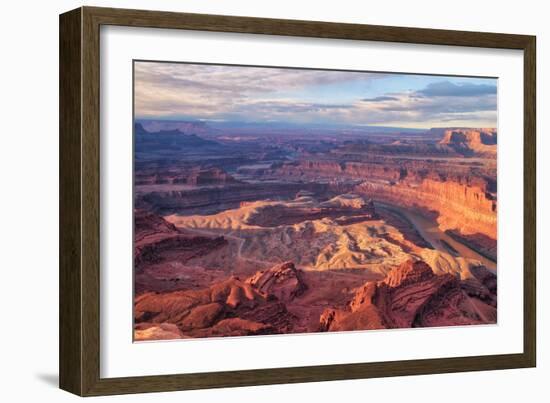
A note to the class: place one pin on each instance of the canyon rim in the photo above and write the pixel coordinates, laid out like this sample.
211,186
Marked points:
271,200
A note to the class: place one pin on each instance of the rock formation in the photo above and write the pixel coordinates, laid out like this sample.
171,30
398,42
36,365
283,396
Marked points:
155,237
210,199
307,208
411,295
274,301
158,243
471,141
283,281
314,237
469,209
229,307
191,177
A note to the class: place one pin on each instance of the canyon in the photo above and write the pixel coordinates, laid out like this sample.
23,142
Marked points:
242,233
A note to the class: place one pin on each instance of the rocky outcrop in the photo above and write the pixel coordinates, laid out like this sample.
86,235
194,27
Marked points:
192,177
147,224
156,239
229,307
180,247
283,281
209,177
471,141
162,331
271,302
411,295
345,208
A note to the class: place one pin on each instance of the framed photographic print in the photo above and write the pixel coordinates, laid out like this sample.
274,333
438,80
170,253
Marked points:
250,201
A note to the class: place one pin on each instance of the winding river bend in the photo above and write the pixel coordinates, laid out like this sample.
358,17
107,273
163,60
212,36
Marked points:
429,230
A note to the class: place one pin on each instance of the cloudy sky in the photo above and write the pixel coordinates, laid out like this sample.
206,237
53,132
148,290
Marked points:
259,94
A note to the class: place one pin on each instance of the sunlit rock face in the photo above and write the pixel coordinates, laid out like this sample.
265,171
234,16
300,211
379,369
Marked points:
470,209
473,141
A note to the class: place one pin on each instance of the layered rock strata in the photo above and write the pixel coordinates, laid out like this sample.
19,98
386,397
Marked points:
462,202
411,295
232,307
471,141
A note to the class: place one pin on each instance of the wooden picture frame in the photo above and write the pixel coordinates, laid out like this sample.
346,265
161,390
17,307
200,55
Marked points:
79,346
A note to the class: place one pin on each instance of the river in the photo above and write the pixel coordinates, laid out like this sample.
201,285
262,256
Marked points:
429,230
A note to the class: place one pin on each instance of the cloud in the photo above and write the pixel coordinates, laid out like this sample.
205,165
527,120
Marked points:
256,94
438,102
168,89
408,107
380,99
449,89
237,79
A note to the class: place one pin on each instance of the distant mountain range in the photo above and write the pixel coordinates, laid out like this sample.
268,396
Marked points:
171,139
187,127
214,126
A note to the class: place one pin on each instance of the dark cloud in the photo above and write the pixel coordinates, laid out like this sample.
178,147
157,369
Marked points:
449,89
